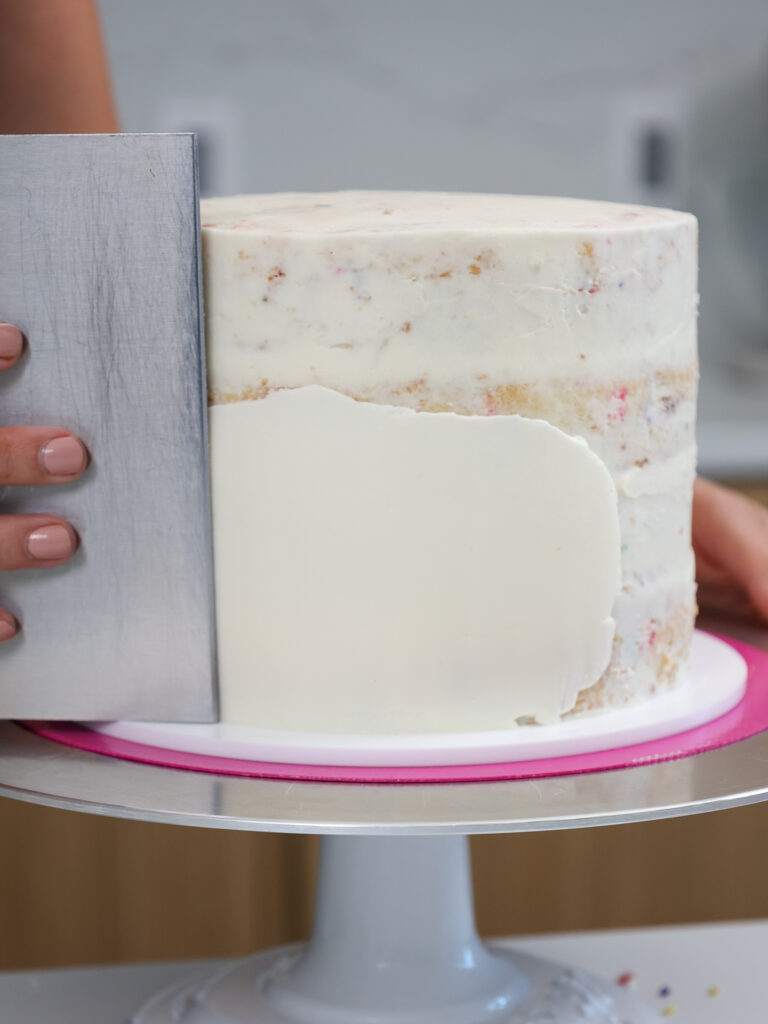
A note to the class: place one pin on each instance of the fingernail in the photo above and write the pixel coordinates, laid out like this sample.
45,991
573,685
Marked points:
7,628
64,456
50,543
11,341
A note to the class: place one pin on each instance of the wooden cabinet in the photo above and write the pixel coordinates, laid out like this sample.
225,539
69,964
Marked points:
76,889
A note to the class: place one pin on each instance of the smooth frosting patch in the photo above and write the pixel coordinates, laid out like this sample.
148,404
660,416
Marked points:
436,572
433,572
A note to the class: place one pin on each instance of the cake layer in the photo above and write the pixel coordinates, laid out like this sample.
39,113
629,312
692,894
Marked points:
428,291
577,313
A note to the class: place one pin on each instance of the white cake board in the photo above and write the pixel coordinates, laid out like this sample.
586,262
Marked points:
715,684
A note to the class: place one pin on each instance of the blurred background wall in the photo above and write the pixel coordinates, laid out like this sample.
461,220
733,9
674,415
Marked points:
663,103
544,96
660,102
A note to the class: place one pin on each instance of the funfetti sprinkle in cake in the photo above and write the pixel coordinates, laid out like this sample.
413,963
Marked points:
452,454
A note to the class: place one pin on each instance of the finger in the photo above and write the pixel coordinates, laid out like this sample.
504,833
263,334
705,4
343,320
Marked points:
11,345
35,542
725,598
8,626
40,455
707,570
732,531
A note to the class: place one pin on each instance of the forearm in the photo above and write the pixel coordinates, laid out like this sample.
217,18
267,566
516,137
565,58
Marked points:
53,69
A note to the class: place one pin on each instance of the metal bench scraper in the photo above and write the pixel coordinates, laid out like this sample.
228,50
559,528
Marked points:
100,269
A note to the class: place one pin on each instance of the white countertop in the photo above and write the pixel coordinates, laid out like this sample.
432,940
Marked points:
715,974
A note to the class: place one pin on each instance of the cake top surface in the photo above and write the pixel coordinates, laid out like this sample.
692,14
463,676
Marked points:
370,213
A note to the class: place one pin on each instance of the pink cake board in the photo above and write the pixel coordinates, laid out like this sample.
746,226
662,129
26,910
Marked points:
746,719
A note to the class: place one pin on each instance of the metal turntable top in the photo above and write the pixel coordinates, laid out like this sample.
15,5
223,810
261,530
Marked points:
36,770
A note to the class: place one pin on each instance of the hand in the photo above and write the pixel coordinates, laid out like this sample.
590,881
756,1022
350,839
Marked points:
33,455
730,540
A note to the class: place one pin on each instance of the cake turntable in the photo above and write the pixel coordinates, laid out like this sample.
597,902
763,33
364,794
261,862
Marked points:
394,940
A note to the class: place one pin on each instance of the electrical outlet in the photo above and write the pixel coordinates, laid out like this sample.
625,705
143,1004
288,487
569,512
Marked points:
216,123
649,148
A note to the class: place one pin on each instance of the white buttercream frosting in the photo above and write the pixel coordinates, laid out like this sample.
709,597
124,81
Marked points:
358,290
577,313
371,559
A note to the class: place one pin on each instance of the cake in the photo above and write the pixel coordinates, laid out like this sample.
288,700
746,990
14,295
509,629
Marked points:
452,457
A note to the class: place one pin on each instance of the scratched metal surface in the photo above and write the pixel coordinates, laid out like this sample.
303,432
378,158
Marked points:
100,268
